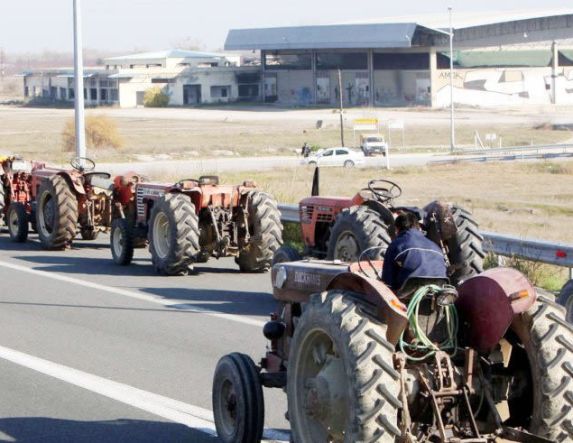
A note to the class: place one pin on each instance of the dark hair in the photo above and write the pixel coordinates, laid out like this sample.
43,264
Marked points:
405,221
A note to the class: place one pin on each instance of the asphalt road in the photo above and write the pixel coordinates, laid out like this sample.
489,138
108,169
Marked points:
90,351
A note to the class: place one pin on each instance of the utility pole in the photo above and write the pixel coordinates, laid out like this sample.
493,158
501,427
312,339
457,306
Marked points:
341,108
79,82
452,122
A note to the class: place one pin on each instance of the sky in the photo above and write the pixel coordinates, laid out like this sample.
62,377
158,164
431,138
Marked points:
117,26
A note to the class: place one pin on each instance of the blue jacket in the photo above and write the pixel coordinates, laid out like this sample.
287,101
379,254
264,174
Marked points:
410,255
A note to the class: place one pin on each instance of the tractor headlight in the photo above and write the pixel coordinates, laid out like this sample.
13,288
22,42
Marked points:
281,277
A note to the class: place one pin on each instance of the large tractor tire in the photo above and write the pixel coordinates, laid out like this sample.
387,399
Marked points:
547,340
286,254
173,234
56,213
238,402
356,229
566,299
121,242
266,233
465,247
341,386
18,223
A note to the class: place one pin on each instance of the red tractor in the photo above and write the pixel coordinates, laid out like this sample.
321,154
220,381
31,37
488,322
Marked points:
193,220
16,195
342,228
488,360
68,201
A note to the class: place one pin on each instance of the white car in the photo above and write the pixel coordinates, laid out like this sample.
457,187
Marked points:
339,156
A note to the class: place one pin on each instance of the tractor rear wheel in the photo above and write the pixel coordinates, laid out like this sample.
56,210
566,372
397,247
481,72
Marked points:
265,229
56,213
18,222
238,402
566,299
465,248
121,242
341,386
173,234
286,254
356,229
546,339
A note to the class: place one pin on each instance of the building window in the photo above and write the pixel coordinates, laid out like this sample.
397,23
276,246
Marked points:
93,94
248,91
220,91
288,61
162,80
103,93
114,95
26,91
71,94
341,60
394,61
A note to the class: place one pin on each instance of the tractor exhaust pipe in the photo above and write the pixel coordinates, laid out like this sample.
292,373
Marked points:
315,183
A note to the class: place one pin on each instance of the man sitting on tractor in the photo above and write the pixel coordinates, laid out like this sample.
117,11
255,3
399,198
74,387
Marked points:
412,257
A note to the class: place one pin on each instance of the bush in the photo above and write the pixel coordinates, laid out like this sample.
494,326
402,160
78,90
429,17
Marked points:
155,98
101,132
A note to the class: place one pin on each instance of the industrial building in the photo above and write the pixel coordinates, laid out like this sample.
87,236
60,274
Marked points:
405,62
510,59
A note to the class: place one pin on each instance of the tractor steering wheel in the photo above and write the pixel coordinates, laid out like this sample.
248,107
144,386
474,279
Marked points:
384,190
82,164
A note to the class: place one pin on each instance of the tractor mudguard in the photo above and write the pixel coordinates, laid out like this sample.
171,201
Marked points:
390,310
76,184
488,304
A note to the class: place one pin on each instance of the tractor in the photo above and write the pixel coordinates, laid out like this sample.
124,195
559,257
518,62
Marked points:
342,228
487,360
16,198
195,219
66,201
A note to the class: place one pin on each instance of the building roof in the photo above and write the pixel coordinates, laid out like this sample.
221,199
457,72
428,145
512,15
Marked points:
168,53
379,35
471,30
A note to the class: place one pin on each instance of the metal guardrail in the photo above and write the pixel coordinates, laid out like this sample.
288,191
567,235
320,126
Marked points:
561,147
552,253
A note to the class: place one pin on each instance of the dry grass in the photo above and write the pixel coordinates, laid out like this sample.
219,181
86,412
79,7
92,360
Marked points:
36,132
101,133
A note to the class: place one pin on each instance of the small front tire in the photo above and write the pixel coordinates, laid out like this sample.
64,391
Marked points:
18,224
121,242
238,402
286,254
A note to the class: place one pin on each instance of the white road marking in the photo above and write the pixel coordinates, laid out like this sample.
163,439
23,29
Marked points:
192,416
169,303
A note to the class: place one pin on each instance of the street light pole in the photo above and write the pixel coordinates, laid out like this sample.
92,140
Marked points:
79,82
452,123
341,108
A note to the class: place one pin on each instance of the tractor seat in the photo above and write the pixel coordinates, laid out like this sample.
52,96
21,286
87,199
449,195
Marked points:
208,180
99,180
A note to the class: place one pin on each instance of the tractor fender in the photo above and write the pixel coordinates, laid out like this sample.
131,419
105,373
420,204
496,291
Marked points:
488,304
385,214
76,184
389,309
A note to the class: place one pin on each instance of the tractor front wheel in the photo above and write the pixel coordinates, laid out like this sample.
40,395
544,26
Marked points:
56,213
121,242
341,381
18,222
265,229
356,229
238,402
2,204
173,234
